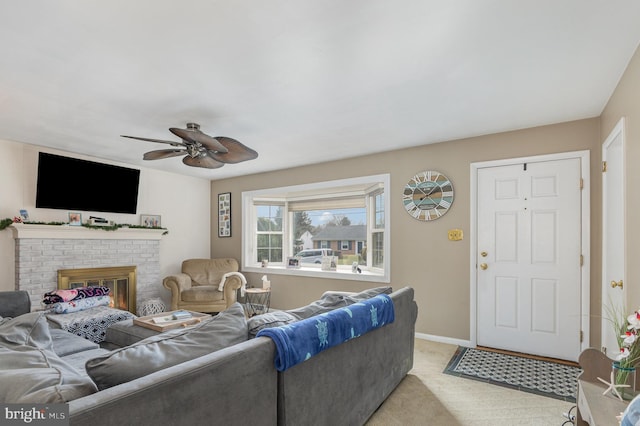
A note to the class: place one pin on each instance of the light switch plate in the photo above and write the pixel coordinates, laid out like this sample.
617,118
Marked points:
455,234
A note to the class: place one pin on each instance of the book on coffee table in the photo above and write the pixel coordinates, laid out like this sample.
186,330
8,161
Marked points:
169,320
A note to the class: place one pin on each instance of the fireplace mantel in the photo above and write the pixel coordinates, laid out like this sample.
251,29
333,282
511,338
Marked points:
22,230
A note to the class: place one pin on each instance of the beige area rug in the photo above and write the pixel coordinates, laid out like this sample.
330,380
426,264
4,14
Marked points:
428,397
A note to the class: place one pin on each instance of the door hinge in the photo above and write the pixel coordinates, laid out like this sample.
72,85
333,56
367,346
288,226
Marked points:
581,260
581,336
581,183
604,167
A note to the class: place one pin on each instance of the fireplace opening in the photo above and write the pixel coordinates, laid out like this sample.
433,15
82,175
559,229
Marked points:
121,281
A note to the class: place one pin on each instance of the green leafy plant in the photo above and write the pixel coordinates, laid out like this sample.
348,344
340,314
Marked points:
627,329
6,222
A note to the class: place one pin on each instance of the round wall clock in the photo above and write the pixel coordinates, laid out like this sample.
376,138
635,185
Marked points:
428,195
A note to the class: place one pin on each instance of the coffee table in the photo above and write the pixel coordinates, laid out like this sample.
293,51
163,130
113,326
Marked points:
125,333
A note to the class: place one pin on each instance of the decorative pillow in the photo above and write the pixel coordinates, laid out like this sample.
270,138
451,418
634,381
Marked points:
170,348
77,305
268,320
330,301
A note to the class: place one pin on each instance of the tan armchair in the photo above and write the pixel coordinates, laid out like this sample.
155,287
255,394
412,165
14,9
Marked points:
197,288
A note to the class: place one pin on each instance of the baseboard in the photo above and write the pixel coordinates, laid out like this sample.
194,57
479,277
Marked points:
443,339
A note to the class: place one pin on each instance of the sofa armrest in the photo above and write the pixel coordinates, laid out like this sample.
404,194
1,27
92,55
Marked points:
231,286
176,284
14,303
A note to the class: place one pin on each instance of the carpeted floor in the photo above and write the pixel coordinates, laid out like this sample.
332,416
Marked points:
429,397
552,379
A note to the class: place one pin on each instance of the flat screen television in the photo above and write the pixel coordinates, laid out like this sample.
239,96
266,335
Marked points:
72,184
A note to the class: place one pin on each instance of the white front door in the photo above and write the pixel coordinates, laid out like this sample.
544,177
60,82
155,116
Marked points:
528,262
613,245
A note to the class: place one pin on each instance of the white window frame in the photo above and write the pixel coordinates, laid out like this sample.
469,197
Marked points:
367,185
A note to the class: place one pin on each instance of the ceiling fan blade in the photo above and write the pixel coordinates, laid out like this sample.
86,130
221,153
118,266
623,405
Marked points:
163,153
237,152
154,140
196,136
202,161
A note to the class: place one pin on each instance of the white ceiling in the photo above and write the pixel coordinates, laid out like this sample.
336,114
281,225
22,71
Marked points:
302,81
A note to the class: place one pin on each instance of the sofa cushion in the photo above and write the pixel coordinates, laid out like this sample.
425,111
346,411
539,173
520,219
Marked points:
65,343
330,301
170,348
268,320
26,330
208,271
79,359
203,293
39,376
31,371
367,294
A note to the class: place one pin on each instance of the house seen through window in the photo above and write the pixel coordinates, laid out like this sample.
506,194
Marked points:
342,223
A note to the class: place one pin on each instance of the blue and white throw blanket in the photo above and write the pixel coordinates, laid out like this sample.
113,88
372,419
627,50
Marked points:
301,340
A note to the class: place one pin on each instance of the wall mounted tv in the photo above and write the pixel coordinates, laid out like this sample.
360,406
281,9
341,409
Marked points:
73,184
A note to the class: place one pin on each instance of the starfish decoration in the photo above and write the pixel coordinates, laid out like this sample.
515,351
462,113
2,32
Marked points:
613,388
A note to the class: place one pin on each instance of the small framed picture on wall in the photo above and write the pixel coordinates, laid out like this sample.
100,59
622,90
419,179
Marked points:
224,214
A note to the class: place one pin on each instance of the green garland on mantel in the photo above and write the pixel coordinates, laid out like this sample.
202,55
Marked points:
4,223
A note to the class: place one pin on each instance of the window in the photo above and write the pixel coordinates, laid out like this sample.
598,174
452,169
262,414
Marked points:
269,233
346,219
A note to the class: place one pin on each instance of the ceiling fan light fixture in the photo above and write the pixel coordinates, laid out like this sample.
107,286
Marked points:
201,149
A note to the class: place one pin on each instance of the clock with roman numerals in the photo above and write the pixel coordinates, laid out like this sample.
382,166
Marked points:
428,195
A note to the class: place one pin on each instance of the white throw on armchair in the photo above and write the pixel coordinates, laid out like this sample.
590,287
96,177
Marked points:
205,285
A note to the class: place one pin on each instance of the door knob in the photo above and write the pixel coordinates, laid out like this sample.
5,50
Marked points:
483,266
615,284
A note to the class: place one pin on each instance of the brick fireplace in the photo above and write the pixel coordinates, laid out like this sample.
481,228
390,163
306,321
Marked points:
43,250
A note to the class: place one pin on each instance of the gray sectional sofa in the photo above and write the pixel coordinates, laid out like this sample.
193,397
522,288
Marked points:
239,384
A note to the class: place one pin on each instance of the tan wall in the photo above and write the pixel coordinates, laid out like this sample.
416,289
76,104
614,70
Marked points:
625,102
443,287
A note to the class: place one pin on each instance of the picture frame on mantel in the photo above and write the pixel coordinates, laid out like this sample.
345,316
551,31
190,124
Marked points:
75,219
224,215
150,220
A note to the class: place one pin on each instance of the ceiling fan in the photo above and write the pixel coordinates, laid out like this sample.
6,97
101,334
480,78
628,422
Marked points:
200,149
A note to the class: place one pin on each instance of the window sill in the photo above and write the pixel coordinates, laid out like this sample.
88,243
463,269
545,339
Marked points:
340,274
